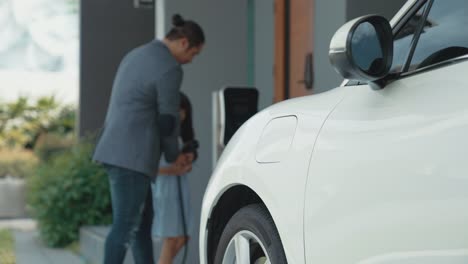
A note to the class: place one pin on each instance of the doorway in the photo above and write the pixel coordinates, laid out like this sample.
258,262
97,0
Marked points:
294,40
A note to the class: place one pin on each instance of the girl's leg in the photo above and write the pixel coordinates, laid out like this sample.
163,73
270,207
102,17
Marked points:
171,246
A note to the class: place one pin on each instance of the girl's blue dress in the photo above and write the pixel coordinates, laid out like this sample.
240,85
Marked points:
169,194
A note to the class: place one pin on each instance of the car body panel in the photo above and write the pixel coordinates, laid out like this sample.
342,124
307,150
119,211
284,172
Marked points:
406,190
238,166
276,140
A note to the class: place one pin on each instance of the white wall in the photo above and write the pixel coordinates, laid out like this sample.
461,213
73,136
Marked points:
222,62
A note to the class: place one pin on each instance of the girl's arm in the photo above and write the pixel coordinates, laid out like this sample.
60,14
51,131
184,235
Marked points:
175,170
168,171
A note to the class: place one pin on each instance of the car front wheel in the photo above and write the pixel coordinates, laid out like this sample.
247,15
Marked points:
250,237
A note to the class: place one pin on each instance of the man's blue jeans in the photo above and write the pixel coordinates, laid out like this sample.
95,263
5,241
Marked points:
132,212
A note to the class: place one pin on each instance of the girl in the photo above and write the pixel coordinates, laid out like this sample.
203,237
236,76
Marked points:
170,193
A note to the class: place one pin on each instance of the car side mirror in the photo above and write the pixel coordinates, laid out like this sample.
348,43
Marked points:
362,49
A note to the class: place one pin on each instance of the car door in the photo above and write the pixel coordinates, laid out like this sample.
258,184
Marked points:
388,178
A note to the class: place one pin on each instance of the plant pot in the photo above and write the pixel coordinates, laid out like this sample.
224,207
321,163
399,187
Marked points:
12,198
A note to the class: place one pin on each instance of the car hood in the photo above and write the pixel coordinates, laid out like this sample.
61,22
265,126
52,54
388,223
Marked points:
317,104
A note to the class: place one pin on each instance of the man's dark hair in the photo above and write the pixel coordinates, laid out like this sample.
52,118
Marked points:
186,29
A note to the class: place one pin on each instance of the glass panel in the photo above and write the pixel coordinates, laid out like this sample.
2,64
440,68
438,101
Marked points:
403,39
445,35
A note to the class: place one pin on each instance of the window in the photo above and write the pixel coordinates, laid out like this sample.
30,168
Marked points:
445,35
403,39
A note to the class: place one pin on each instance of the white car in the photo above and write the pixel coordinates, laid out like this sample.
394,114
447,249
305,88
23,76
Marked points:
372,172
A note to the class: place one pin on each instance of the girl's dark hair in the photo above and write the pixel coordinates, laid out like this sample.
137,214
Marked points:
186,29
186,129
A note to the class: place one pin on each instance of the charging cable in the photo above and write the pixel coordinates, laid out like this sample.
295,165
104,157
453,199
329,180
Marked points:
190,146
182,211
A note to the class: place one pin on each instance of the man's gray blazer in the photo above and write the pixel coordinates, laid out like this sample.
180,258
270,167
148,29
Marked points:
144,94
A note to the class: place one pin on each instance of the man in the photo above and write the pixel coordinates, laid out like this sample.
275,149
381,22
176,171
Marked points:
142,123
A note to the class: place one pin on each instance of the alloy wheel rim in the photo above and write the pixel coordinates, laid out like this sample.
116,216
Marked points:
244,246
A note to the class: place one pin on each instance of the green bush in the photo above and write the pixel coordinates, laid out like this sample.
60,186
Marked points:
51,144
22,122
69,191
17,163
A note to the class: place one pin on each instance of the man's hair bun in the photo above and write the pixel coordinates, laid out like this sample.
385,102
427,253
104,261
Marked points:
177,20
188,29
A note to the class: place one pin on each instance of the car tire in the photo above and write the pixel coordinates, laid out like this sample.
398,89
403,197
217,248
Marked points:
252,224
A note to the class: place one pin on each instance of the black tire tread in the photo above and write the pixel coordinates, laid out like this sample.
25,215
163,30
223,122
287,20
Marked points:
254,214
